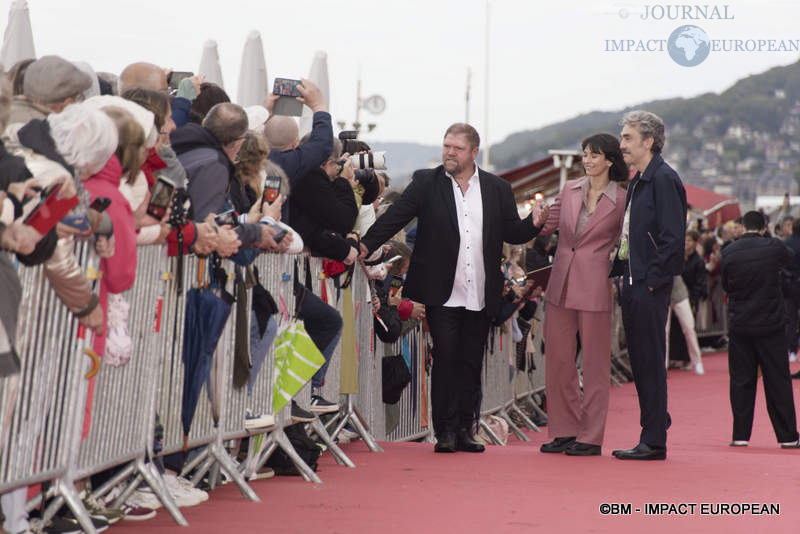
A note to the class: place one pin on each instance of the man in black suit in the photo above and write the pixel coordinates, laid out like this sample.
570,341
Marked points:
751,277
464,216
651,253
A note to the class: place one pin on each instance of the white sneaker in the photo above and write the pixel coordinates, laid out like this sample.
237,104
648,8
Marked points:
699,369
791,445
792,357
252,422
183,492
346,436
145,499
739,443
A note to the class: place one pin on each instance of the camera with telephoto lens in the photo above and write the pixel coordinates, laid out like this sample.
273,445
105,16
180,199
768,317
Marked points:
369,160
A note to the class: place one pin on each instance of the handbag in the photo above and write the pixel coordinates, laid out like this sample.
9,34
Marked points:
297,359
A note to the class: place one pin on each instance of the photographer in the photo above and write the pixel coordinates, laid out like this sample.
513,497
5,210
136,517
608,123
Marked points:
323,207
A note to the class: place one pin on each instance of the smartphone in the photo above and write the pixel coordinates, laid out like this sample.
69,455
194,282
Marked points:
160,199
286,87
50,210
100,204
228,217
280,232
176,77
272,188
396,284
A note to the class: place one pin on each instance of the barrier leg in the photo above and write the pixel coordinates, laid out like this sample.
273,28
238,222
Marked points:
256,460
127,492
68,495
339,455
153,479
219,453
202,470
536,408
513,426
525,419
194,463
114,481
350,416
490,432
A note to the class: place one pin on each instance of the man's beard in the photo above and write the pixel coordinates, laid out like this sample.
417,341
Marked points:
458,167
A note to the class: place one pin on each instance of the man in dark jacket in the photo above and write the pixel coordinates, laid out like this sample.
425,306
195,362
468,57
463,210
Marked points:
751,277
464,216
207,153
651,253
284,137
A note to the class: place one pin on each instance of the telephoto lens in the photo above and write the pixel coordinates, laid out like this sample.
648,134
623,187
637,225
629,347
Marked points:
370,160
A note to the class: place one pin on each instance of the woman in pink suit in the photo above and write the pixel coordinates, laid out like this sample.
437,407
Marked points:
588,213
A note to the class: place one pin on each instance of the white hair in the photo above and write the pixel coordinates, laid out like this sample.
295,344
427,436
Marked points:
84,136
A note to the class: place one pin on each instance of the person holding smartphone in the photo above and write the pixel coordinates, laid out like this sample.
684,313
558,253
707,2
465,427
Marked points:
588,213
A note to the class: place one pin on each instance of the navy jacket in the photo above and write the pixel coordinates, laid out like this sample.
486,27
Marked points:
657,224
793,242
751,277
309,156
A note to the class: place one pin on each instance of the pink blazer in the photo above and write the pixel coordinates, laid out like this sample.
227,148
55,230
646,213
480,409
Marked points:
582,264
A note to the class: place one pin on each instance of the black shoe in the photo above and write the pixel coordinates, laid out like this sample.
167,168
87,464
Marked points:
576,448
465,442
300,415
557,445
320,405
538,419
446,442
795,375
641,452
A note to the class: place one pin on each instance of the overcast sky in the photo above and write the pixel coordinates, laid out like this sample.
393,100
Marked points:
548,58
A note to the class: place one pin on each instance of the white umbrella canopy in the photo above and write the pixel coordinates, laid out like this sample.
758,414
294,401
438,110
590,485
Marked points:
319,76
253,72
18,37
209,63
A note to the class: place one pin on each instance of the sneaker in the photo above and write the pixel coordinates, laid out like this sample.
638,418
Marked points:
346,436
59,525
183,492
320,405
699,369
99,510
64,525
131,512
252,422
263,473
300,415
792,357
687,367
791,444
738,443
144,499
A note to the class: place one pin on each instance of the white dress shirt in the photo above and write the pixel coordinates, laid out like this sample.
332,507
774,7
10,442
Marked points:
470,280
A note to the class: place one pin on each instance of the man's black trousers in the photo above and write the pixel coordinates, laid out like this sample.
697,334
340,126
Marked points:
644,314
745,355
459,338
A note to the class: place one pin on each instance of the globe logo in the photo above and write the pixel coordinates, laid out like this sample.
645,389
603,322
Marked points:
623,13
688,46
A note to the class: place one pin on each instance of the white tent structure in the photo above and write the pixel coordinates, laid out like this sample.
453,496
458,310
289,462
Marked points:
209,63
253,72
319,76
18,37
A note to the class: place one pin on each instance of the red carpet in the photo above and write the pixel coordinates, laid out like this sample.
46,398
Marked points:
516,489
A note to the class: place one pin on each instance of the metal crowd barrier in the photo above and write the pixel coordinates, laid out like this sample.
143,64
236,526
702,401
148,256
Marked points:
44,441
48,396
712,313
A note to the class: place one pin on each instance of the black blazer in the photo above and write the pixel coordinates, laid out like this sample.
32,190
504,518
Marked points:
430,198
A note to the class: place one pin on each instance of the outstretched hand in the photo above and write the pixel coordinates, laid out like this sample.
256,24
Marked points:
540,213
